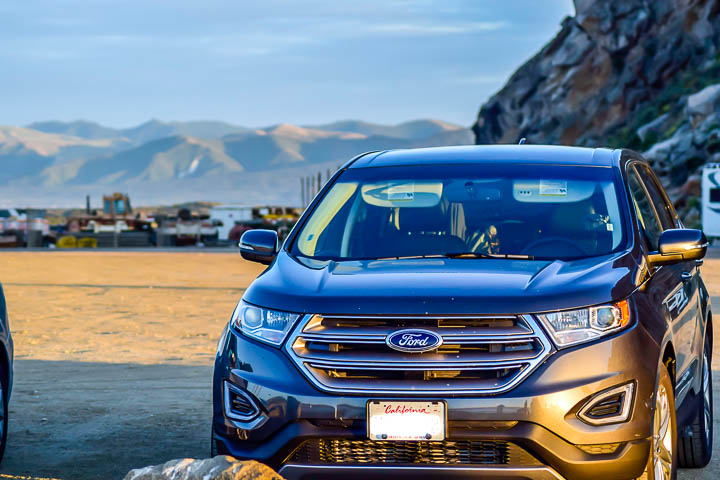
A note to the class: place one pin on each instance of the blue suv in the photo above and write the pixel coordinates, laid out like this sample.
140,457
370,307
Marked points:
527,312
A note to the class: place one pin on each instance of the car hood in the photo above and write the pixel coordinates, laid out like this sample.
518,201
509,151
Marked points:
441,286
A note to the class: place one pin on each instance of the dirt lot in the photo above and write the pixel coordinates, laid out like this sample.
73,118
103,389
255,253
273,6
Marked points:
114,357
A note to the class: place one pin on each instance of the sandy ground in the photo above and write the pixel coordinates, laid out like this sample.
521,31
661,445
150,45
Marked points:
114,358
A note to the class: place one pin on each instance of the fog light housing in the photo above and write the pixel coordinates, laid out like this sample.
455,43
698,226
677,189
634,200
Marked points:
238,404
609,406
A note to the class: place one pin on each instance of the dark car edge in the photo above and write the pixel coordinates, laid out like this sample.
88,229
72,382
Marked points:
6,370
541,306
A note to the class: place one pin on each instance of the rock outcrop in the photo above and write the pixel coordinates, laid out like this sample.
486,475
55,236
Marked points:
218,468
623,73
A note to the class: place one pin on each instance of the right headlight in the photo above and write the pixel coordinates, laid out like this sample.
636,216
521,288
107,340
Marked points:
269,326
570,327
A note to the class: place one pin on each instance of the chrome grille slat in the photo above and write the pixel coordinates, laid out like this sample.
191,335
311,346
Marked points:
479,354
390,359
418,366
450,338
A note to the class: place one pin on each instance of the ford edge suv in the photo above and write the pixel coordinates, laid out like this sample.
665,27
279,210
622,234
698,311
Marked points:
527,312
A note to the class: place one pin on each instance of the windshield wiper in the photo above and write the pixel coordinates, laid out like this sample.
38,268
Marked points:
489,255
506,256
404,257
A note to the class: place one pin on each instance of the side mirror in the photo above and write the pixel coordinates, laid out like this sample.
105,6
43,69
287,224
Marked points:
259,246
679,245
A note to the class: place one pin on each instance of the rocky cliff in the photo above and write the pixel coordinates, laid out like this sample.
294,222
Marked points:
642,74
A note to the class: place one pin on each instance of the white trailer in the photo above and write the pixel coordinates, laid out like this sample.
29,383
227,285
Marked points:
228,215
711,200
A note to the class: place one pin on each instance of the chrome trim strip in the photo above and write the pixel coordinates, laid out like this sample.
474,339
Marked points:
292,471
525,361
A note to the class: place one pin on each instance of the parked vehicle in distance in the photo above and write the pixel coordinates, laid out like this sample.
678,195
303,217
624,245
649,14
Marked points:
710,196
519,311
23,227
6,371
234,220
186,228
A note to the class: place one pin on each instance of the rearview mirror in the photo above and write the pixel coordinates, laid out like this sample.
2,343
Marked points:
259,246
679,245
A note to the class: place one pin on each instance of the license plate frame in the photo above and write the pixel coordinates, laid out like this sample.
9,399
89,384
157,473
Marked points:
400,420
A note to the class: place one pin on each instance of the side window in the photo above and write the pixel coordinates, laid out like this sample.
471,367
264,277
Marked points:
644,209
664,210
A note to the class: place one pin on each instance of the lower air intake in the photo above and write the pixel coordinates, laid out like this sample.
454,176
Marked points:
460,452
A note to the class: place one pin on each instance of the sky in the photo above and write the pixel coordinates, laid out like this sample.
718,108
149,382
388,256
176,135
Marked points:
259,63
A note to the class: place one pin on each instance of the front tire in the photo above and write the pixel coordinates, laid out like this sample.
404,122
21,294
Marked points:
663,459
695,451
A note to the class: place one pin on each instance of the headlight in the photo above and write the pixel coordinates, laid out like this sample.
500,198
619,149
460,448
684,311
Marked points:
268,326
577,326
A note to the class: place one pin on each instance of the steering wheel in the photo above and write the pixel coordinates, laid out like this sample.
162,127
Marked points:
578,250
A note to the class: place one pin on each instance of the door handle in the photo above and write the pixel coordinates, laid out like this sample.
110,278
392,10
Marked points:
686,276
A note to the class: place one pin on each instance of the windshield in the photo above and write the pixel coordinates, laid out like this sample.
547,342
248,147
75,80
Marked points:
531,211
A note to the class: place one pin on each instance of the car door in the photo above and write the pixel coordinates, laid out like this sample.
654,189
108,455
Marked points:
664,283
683,301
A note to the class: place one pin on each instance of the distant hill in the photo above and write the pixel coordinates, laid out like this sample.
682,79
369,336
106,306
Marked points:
155,129
171,159
78,128
145,132
416,129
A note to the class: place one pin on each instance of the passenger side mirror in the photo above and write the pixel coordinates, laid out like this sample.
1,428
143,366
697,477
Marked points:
259,246
679,245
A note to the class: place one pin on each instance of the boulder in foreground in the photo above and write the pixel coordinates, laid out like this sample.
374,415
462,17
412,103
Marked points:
218,468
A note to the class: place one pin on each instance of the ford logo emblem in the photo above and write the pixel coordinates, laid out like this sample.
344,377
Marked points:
413,340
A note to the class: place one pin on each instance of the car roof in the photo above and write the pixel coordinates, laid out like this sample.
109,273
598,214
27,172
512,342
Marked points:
512,154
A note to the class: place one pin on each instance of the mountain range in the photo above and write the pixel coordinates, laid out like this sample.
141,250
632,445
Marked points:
160,162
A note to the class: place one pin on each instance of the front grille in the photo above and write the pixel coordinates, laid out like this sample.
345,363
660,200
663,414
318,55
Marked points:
478,354
462,452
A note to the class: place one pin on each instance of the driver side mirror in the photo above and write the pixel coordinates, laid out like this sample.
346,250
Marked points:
679,245
259,246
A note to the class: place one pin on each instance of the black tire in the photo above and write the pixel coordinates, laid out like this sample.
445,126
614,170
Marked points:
668,470
695,451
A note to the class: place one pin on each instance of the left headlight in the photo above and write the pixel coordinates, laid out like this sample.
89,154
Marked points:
269,326
576,326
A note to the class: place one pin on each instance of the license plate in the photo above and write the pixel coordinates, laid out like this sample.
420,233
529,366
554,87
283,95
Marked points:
397,420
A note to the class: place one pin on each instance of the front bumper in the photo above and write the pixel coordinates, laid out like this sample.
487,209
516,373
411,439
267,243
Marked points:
540,414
